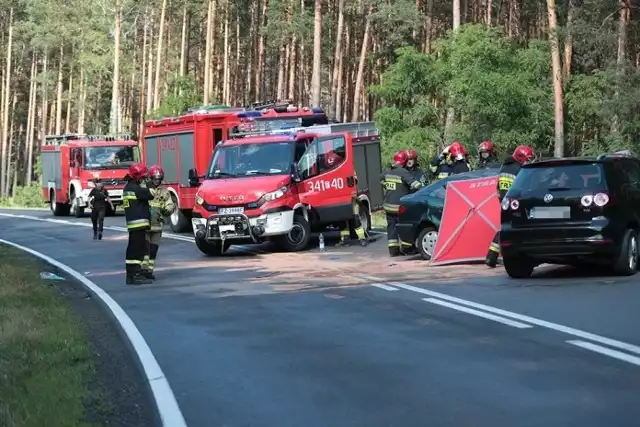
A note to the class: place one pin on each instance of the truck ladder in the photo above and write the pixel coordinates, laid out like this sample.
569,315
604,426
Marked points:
356,130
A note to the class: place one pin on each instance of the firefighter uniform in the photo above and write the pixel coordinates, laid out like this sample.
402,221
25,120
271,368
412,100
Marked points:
441,167
506,176
135,200
160,207
396,182
460,167
345,233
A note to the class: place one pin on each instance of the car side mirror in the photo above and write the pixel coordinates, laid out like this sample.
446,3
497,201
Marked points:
194,179
295,173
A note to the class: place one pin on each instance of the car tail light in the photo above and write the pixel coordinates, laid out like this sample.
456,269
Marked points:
600,200
402,209
510,202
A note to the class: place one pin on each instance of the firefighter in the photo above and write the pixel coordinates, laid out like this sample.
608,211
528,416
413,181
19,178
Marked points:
414,167
458,159
135,201
332,160
522,155
160,207
98,199
487,156
396,182
441,164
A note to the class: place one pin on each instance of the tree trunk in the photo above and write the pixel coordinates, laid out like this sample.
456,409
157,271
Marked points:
489,12
261,39
156,86
226,70
59,93
149,105
207,54
355,114
11,144
83,102
30,122
337,61
451,112
623,24
4,161
317,55
143,74
557,80
67,122
568,44
115,83
183,42
292,69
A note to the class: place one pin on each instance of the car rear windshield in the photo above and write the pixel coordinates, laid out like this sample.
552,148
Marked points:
560,176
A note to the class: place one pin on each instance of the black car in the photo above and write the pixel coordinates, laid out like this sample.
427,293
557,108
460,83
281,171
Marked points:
421,212
576,211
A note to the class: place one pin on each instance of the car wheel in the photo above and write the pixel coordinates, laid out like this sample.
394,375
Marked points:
518,267
626,261
426,242
298,238
178,221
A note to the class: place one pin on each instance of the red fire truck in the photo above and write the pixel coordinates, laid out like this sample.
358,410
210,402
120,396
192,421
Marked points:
70,162
282,185
181,143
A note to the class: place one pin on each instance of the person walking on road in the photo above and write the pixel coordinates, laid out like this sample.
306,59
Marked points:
396,182
160,207
522,155
135,201
98,199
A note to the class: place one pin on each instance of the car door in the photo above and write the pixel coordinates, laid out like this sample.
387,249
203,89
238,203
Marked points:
325,169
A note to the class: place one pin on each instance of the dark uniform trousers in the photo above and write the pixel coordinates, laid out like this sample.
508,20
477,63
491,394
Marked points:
152,244
506,177
136,249
345,233
97,219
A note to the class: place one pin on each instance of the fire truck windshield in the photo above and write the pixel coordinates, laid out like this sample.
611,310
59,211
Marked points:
115,157
271,158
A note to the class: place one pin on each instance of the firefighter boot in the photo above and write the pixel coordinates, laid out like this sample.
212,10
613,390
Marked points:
147,274
100,235
95,235
135,277
345,235
364,242
492,254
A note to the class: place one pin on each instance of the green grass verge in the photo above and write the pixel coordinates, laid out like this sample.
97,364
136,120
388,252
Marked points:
45,358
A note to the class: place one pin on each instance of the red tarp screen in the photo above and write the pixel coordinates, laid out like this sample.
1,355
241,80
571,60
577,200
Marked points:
470,219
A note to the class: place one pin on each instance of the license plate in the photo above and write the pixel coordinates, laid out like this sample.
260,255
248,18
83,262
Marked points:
224,228
550,212
226,211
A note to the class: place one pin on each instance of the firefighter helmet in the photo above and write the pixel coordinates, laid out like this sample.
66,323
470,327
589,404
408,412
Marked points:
457,151
156,172
137,171
523,154
486,147
400,158
411,154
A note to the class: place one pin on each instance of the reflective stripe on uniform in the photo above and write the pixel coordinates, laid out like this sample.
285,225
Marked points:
390,207
360,233
494,247
133,261
415,185
442,175
505,181
155,204
393,178
405,243
155,228
137,223
393,243
344,233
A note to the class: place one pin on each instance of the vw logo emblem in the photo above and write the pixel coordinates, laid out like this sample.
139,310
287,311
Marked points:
548,198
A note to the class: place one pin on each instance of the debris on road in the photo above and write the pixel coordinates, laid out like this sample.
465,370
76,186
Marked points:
50,276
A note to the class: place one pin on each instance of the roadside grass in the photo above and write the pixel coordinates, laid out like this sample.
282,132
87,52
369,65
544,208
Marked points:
24,197
45,358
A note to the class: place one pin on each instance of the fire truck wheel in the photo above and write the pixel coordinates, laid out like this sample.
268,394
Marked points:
365,221
58,209
75,210
212,248
178,221
298,238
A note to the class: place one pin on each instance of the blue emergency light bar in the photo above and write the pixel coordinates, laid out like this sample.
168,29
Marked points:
317,110
249,114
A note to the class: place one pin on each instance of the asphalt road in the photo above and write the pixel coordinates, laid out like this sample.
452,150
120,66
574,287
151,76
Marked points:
561,349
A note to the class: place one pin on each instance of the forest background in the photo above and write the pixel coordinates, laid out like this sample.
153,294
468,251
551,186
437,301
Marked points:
560,75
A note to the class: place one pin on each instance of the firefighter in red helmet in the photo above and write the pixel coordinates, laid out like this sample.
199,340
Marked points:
135,201
396,183
459,156
160,207
487,156
522,155
414,167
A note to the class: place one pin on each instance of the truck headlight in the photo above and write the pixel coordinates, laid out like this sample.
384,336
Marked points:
274,195
199,200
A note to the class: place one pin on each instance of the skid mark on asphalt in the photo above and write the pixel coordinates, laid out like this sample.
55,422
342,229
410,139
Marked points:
521,321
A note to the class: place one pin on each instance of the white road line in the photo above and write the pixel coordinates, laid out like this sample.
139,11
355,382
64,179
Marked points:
478,313
166,403
534,321
385,287
607,351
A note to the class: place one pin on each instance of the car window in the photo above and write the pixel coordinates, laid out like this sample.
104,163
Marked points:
570,176
438,192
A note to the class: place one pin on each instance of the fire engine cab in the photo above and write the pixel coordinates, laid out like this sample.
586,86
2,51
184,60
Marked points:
71,162
281,185
182,143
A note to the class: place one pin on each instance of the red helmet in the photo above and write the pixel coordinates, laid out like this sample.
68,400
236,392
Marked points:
486,147
457,151
156,172
523,154
400,158
137,171
411,154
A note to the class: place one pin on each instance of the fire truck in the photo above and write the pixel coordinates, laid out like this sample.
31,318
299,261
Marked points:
71,162
186,142
281,185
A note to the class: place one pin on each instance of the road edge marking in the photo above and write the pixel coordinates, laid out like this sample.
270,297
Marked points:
606,351
534,321
166,403
478,313
385,287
